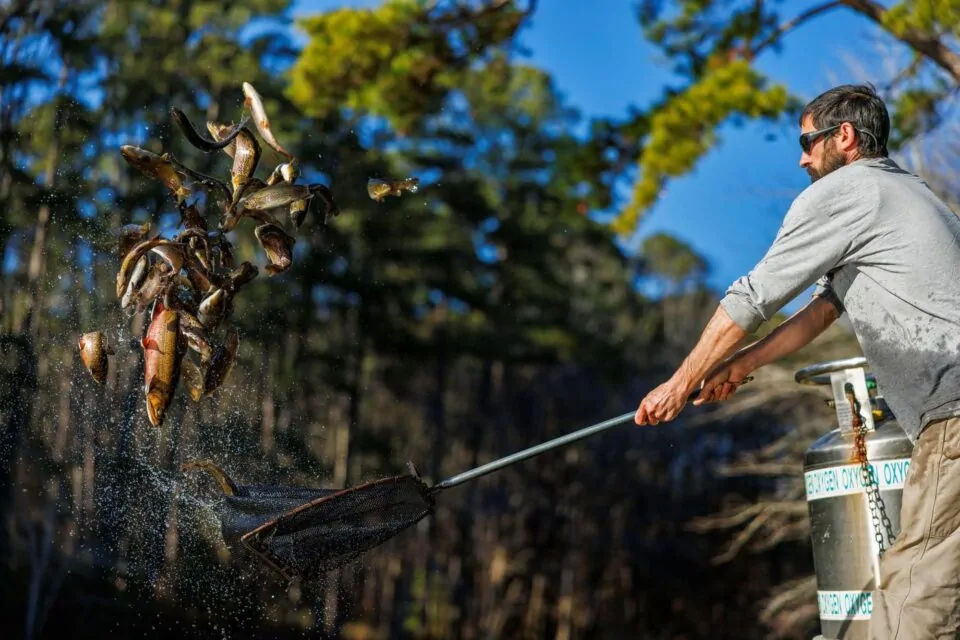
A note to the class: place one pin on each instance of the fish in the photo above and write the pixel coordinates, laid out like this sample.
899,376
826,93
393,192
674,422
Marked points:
227,485
246,157
220,131
284,172
224,357
278,195
379,189
254,102
190,327
298,211
172,254
202,257
212,308
299,208
290,171
196,245
152,287
230,216
153,165
163,350
246,272
136,281
93,353
278,245
196,339
261,216
275,176
192,377
192,235
129,235
130,260
196,139
192,221
219,187
197,267
329,206
201,280
179,295
225,249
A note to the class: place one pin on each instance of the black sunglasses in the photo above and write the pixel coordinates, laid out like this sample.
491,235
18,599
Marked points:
810,137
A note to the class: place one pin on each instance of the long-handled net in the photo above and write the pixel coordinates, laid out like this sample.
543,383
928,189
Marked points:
305,532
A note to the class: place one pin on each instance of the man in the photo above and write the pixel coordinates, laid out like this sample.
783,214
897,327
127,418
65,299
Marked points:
883,248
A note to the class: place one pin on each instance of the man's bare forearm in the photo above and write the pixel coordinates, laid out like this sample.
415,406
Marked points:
797,332
720,338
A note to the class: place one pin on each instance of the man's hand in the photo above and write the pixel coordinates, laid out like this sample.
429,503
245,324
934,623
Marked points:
721,383
663,404
718,341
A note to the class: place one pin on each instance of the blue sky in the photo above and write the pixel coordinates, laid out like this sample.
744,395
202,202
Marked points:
730,207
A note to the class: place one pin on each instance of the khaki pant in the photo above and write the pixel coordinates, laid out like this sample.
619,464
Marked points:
919,594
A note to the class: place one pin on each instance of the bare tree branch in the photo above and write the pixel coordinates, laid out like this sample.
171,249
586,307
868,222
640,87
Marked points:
768,523
759,469
756,399
792,24
931,47
724,521
908,71
743,537
736,516
791,606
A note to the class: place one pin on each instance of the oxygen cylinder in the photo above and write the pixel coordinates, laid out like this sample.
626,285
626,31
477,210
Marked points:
854,477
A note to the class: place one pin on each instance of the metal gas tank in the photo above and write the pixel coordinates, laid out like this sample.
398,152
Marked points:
853,499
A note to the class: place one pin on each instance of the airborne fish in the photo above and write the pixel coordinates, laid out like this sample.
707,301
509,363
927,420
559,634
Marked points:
155,166
278,245
224,357
278,195
93,353
196,139
379,189
129,236
253,100
163,349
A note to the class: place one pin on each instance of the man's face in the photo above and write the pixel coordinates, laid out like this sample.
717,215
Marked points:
824,156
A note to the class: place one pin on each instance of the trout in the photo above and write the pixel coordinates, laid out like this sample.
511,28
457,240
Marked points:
163,349
93,354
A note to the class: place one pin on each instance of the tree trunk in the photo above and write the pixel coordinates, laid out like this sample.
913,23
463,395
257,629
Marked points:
38,254
465,588
438,406
16,405
115,524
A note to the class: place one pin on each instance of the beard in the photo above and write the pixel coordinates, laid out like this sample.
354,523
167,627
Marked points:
832,160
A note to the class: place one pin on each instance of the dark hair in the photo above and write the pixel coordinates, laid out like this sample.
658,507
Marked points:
860,106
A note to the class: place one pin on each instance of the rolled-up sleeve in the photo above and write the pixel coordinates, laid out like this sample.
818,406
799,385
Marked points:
814,238
824,289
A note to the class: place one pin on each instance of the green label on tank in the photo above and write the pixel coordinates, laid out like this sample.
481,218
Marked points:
847,479
845,605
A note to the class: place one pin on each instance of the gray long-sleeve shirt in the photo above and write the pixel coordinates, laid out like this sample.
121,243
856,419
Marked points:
885,250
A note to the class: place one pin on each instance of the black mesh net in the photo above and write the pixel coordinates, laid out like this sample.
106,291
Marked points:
258,504
305,532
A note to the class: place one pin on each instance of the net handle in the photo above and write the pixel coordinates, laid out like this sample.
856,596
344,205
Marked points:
546,446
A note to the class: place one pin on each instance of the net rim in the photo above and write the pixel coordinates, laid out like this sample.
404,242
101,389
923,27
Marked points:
251,540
